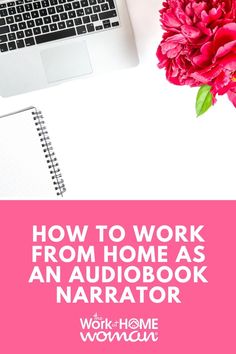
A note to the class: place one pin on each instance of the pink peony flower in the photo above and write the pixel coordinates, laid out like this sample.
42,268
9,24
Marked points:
199,44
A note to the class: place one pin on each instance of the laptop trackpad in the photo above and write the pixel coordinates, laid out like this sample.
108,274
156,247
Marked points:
66,61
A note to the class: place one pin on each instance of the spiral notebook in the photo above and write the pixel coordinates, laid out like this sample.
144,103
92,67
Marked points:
29,168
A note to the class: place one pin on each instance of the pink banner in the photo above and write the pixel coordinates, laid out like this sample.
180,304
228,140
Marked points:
117,277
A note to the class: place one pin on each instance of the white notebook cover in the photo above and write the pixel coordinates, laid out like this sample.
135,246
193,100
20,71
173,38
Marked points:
25,171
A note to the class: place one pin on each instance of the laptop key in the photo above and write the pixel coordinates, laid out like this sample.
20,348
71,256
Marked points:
106,24
4,29
51,10
28,33
20,34
39,22
72,14
114,24
104,7
84,3
68,7
53,27
94,18
61,25
37,31
30,24
43,12
3,38
3,13
37,5
80,13
88,11
55,18
111,4
78,21
26,16
81,30
20,9
28,7
3,47
55,35
108,14
12,45
10,19
47,20
60,8
2,21
64,16
20,43
45,3
18,18
29,41
96,9
90,27
22,25
76,5
11,36
35,14
69,23
14,27
86,19
12,11
45,29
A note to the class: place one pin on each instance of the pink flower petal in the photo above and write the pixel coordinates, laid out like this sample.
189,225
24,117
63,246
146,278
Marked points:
205,56
178,38
225,49
229,62
232,96
170,20
225,34
190,31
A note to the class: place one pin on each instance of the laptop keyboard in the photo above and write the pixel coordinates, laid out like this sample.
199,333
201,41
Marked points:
24,23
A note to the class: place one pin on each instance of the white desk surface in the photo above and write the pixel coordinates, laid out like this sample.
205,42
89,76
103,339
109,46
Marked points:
132,135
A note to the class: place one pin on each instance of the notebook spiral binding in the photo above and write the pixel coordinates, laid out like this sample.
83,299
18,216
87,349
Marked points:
49,153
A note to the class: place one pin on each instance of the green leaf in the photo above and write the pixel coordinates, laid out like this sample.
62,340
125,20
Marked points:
204,99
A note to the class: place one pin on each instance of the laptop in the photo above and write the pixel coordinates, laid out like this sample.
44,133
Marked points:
46,42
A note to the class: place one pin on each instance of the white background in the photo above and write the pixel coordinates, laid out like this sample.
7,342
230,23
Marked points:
132,135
